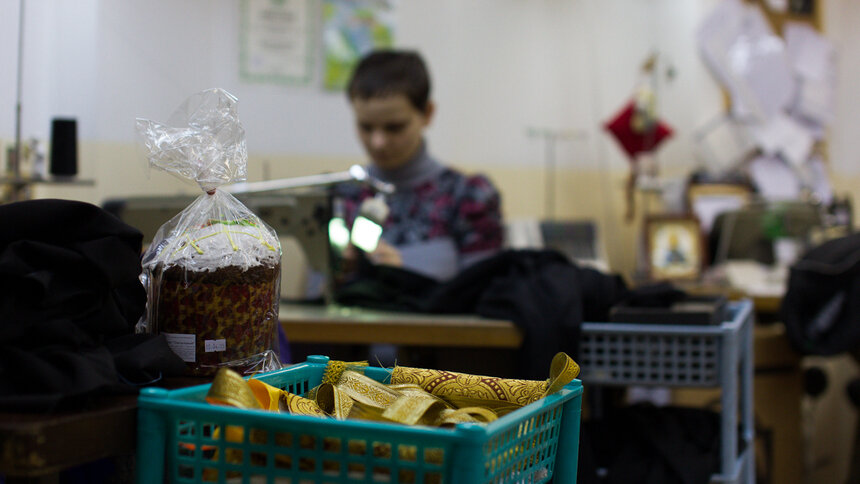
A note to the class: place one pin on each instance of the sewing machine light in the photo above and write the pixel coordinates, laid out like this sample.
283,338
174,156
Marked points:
367,227
338,233
365,233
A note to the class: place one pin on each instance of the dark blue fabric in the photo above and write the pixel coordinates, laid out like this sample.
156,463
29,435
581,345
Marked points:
284,347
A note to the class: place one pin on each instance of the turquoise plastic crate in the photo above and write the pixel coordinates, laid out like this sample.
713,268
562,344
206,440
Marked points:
183,439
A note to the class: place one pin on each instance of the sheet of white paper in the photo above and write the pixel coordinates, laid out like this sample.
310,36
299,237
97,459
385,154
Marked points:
778,5
812,55
756,279
774,179
815,100
708,207
722,143
523,233
784,136
738,45
813,59
814,128
817,179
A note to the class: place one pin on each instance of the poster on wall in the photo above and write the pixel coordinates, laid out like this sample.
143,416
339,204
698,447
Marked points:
351,28
276,45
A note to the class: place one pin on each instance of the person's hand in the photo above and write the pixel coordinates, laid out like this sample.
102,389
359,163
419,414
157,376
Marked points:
386,255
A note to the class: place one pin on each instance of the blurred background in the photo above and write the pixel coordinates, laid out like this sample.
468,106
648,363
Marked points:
756,98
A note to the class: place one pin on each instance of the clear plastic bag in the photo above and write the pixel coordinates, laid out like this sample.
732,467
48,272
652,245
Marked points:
212,272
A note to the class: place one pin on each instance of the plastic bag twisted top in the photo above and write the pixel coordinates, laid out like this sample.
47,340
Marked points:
203,140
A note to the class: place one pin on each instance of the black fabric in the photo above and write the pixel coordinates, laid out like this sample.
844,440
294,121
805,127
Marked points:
541,291
657,295
644,444
821,307
69,299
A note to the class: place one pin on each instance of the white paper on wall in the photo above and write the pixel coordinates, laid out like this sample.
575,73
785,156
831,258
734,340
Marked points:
813,61
744,54
722,143
774,179
276,42
708,207
812,55
784,136
816,178
778,5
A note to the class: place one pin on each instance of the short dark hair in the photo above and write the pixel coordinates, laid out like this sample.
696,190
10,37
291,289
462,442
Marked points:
385,72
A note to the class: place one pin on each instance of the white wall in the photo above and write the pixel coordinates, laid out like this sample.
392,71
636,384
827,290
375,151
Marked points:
840,22
499,67
59,65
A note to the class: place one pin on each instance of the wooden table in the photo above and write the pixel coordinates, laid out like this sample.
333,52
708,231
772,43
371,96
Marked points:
764,304
35,448
346,325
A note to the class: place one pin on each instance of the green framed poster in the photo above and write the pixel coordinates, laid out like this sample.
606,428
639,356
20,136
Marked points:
351,28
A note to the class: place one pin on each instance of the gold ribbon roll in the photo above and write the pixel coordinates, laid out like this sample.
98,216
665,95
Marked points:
415,395
229,388
562,371
375,401
414,409
367,393
296,405
450,417
332,400
502,395
334,369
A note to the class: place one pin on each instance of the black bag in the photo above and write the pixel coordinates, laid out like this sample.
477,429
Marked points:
69,300
821,308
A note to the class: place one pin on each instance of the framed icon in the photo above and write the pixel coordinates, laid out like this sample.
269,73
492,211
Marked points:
675,247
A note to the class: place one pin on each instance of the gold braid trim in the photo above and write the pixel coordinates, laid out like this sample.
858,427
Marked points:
415,396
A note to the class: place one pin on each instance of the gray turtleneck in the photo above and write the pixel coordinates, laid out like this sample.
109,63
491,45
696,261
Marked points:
437,257
421,168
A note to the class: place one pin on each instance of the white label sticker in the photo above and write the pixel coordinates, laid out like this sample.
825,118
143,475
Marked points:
215,345
182,345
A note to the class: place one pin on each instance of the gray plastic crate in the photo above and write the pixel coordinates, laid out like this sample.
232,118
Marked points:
684,356
648,354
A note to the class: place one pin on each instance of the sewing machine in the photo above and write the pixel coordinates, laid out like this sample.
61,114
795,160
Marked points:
299,209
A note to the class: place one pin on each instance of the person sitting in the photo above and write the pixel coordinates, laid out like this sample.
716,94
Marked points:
440,220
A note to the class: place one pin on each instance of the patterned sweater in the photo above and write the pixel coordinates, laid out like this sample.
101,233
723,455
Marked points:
439,219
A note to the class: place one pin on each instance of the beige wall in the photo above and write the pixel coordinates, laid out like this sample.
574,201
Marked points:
118,171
